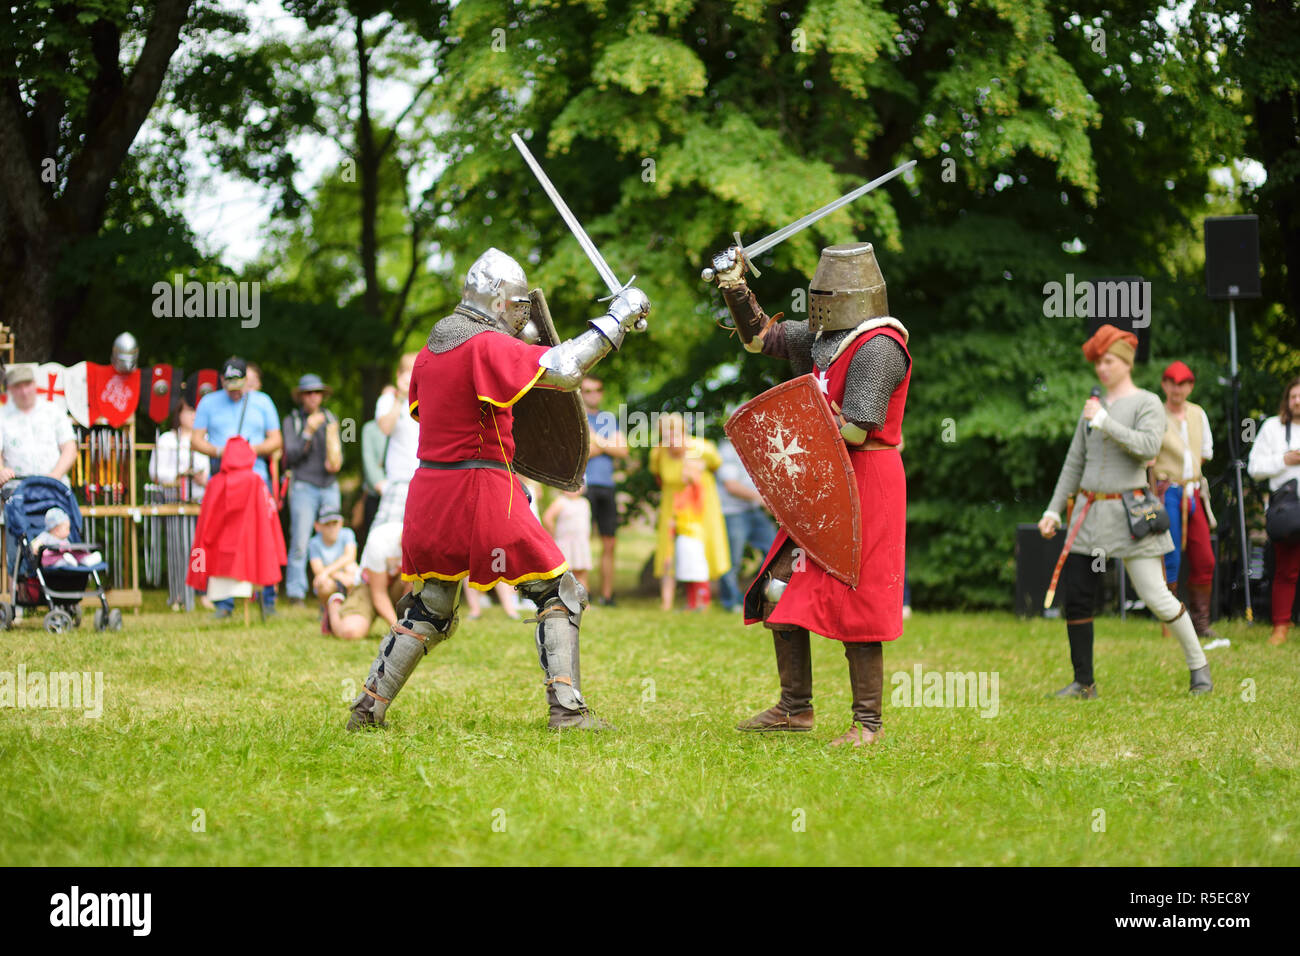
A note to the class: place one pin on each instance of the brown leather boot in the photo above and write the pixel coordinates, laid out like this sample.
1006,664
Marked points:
1278,637
867,680
1198,603
794,663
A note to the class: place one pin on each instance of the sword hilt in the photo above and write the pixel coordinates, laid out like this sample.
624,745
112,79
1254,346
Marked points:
709,273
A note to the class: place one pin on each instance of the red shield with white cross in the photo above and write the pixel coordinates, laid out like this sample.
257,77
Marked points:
790,444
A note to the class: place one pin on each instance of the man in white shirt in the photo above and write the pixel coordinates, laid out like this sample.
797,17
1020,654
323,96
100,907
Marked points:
1275,456
35,437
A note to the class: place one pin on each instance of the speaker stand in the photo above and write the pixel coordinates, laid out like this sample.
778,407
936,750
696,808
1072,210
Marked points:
1236,464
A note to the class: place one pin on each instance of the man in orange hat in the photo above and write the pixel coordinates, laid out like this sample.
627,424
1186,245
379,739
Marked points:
1182,487
1119,431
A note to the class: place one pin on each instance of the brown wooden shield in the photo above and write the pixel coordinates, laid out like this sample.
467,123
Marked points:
551,439
790,445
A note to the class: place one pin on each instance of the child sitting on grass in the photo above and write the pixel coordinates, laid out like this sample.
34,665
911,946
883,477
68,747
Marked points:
60,552
332,556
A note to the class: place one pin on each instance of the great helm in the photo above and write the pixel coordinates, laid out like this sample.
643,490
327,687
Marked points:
126,353
847,289
496,291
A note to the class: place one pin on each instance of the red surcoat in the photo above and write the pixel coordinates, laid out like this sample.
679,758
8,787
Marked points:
814,599
473,524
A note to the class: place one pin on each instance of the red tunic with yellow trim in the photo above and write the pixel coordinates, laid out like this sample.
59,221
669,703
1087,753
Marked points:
473,523
814,599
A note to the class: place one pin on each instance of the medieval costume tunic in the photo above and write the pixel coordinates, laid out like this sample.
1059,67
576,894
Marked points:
473,524
1108,459
1182,487
872,611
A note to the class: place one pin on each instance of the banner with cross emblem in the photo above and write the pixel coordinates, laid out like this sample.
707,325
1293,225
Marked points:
49,385
789,442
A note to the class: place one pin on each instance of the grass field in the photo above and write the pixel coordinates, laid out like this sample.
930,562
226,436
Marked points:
220,745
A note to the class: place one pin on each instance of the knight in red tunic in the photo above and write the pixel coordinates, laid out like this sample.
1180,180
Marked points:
859,355
467,511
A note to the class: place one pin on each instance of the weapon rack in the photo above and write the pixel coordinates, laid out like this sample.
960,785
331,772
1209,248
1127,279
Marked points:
89,481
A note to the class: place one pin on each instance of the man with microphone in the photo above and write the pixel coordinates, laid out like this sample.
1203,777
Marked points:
1115,439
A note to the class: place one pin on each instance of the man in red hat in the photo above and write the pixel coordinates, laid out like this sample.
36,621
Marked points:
1179,482
1117,434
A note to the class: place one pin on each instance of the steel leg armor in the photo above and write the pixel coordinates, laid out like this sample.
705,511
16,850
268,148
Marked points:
560,604
423,621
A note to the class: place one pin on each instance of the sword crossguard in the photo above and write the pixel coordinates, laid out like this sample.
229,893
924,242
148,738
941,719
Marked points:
728,260
743,256
617,292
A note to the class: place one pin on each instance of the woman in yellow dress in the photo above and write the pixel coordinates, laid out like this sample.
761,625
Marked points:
667,462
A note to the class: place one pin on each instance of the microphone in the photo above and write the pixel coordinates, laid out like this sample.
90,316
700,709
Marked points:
1095,393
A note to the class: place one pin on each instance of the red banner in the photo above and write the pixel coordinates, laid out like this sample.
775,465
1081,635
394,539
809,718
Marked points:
111,397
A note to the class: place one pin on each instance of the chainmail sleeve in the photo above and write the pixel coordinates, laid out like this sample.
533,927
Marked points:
877,369
791,340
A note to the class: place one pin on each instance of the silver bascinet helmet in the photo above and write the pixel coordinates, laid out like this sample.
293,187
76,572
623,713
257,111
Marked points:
847,289
496,292
126,353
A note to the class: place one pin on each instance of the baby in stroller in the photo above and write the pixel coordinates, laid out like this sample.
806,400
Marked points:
53,548
43,521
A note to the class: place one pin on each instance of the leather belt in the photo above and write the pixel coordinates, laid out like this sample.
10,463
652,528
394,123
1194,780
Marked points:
470,463
1074,527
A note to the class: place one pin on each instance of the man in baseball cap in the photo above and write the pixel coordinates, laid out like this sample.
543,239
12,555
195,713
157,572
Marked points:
1178,480
233,371
17,374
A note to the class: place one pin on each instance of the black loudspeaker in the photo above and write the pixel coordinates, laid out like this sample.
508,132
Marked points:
1124,302
1035,560
1232,257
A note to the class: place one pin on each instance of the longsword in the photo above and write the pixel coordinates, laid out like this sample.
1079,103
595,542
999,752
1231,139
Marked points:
802,223
602,267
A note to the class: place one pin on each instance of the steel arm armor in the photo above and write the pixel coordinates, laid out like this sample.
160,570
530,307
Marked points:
566,364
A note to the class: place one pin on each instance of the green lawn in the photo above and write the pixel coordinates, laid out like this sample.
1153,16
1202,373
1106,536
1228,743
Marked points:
247,726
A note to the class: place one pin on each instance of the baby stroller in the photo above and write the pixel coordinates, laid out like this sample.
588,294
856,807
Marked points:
61,588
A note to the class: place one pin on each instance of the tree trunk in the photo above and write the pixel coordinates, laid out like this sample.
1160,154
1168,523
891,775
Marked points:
27,306
368,163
